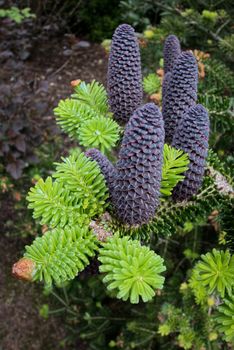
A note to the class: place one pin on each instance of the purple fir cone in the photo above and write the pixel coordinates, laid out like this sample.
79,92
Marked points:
107,168
192,137
181,92
138,171
124,83
171,52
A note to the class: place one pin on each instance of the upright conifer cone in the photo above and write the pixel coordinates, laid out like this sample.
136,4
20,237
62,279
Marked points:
171,52
192,137
137,179
181,92
124,81
107,168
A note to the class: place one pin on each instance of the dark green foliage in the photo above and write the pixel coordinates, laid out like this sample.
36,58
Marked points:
226,45
197,24
221,111
94,19
225,222
97,19
219,79
104,321
204,25
172,217
184,323
151,54
214,161
218,85
134,12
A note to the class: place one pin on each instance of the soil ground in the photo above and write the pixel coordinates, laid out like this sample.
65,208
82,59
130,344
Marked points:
52,65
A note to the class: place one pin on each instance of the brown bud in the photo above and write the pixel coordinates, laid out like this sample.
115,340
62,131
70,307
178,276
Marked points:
213,220
158,292
201,70
156,98
200,55
75,83
142,42
17,196
44,229
160,72
23,269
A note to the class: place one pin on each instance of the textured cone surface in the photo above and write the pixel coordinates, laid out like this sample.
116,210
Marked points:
138,171
192,137
124,74
165,84
171,52
181,92
107,168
